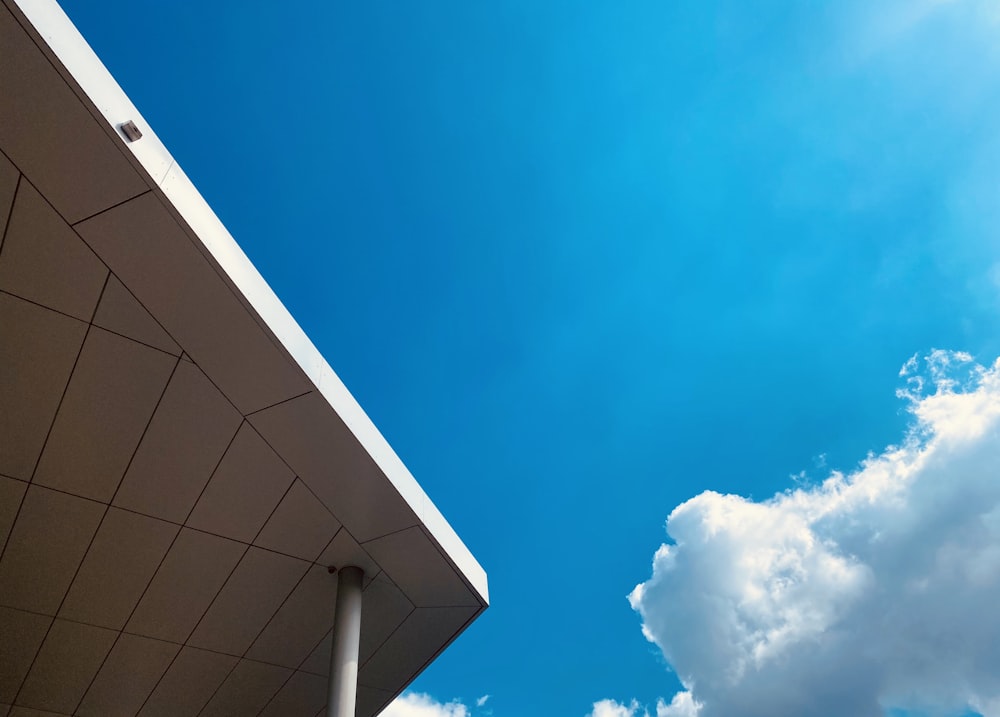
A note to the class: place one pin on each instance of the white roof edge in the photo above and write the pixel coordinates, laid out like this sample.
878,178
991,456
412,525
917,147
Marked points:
63,38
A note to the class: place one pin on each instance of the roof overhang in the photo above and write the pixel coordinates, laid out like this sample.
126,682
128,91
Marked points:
178,463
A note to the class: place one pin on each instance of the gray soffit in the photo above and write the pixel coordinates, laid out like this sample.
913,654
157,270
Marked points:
178,463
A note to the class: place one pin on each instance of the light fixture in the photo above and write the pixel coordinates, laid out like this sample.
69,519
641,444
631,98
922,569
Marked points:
130,131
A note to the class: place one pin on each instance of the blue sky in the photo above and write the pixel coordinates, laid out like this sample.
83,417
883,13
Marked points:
582,261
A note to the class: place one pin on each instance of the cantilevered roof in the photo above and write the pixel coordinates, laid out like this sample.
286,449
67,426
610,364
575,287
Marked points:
178,463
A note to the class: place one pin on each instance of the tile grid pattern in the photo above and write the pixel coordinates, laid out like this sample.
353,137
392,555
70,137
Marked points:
106,507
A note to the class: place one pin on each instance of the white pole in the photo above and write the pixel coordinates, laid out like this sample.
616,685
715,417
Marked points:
342,690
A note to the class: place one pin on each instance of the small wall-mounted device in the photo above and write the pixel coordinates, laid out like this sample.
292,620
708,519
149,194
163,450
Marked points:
130,131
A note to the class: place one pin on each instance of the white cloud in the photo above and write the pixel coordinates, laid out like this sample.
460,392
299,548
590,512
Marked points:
876,589
682,705
610,708
416,704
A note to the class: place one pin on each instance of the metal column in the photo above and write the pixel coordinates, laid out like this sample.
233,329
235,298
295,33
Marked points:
342,690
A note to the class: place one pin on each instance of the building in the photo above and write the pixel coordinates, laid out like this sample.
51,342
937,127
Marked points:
180,469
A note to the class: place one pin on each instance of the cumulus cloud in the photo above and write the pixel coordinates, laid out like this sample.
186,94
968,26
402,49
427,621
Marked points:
417,704
610,708
682,705
874,590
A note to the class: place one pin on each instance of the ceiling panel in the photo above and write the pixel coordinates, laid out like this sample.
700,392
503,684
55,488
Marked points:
11,493
301,525
384,608
188,684
301,621
410,647
21,634
195,569
328,458
190,431
318,662
127,677
67,663
44,261
244,490
27,712
8,184
246,690
420,570
206,317
48,131
302,696
36,359
45,548
122,313
253,593
111,395
371,700
344,550
119,565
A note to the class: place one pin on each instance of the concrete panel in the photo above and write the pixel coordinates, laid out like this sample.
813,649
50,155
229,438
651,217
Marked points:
244,490
21,634
249,599
28,712
52,137
122,313
127,677
371,701
301,525
326,455
206,317
304,618
119,565
11,493
302,696
67,663
45,548
189,684
247,690
419,569
195,569
111,396
8,185
344,550
413,645
44,261
190,431
37,354
318,662
384,608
